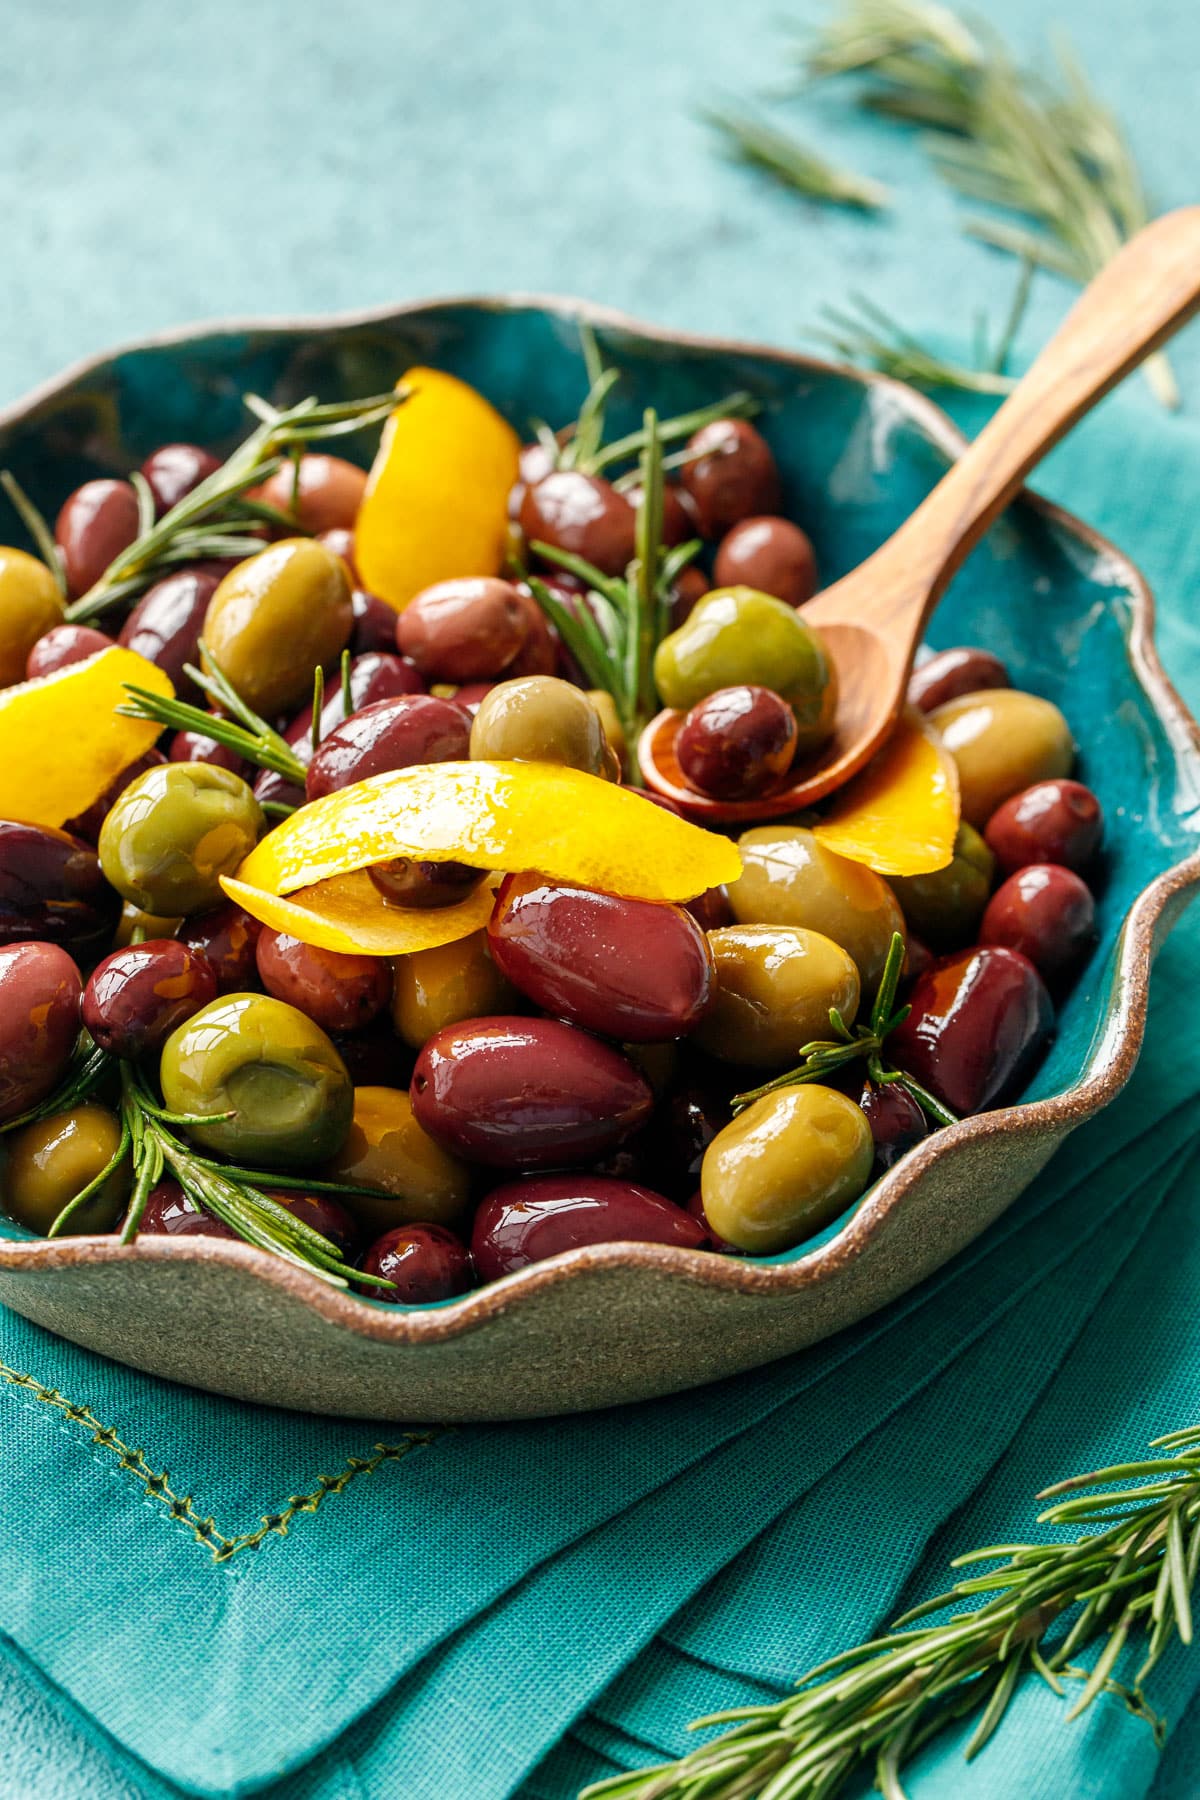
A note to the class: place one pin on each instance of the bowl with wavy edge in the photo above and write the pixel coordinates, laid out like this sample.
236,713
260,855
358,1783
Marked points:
1072,617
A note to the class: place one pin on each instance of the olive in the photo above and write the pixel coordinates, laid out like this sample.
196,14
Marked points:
469,629
526,1221
1051,822
424,1263
341,542
736,636
268,1066
446,985
691,1119
136,997
526,1093
629,969
340,991
678,525
53,1159
63,645
1002,740
52,890
166,623
687,590
534,462
374,622
614,732
771,555
789,878
946,905
94,525
375,675
1047,913
538,655
86,825
323,494
539,719
785,1168
174,832
322,1213
470,696
390,734
917,958
695,1206
227,938
387,1148
197,747
375,1056
583,514
275,618
729,474
403,881
174,470
30,605
272,788
711,909
896,1121
169,1212
737,742
135,926
775,986
40,991
978,1022
952,673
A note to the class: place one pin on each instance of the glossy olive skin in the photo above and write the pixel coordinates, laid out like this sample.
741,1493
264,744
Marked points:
737,742
387,1148
582,513
227,938
688,589
785,1168
276,617
273,1069
775,986
979,1021
789,878
445,985
945,906
174,832
169,1213
524,1222
166,623
1051,822
1002,740
952,673
86,825
896,1121
52,890
323,1213
729,475
519,1093
711,909
173,470
623,968
30,605
539,719
538,655
375,675
94,525
52,1160
464,630
341,542
689,1121
404,881
424,1263
1047,913
325,497
136,997
374,620
390,734
40,992
770,554
340,992
63,645
197,747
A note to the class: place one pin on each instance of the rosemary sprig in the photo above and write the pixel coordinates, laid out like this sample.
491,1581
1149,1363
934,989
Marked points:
246,732
751,140
35,524
862,332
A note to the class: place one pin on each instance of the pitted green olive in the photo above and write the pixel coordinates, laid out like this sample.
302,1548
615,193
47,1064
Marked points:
944,907
174,832
785,1168
775,986
789,878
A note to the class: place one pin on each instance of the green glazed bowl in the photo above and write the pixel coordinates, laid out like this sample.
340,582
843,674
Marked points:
1071,617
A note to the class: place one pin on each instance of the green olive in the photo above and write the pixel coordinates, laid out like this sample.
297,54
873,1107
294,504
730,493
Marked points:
785,1168
540,719
1003,740
174,832
386,1148
268,1065
30,605
775,986
52,1160
789,878
277,616
944,907
737,635
446,985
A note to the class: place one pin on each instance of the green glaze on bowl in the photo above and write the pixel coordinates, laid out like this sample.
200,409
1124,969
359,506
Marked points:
1069,614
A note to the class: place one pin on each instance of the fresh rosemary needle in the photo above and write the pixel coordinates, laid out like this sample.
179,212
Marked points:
750,140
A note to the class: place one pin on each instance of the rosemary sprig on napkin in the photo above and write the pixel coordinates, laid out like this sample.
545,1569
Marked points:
751,140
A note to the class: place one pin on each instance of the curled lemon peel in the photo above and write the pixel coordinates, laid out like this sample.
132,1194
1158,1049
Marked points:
348,913
899,815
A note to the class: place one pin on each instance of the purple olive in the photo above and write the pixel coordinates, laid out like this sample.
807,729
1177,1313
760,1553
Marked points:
711,909
1048,914
270,786
169,1213
338,991
227,938
136,997
769,554
87,824
323,494
689,587
729,475
526,1221
166,623
469,629
375,675
519,1093
173,470
978,1023
94,525
896,1121
197,746
406,882
425,1263
737,742
374,624
323,1213
692,1117
63,645
952,673
40,992
390,734
53,891
1051,822
583,514
678,523
538,655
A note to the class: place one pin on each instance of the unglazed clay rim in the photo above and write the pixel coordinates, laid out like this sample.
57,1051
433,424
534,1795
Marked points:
1124,1025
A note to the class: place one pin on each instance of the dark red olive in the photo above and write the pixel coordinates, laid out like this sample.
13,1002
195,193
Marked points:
526,1093
1051,822
374,626
690,1120
40,991
87,824
227,937
338,990
53,891
730,475
538,655
322,495
197,746
1047,913
169,1213
341,542
953,672
375,675
469,629
690,586
166,623
583,514
678,525
405,882
711,909
424,1262
917,958
695,1207
526,1221
470,695
533,464
63,645
272,788
896,1121
94,525
737,742
770,554
136,997
173,470
978,1023
632,970
322,1213
390,734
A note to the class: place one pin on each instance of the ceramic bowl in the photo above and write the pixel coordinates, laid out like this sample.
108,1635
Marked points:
1069,614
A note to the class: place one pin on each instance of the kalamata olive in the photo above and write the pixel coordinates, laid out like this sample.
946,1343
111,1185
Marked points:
946,905
737,742
678,525
978,1022
342,992
51,1160
524,1222
896,1121
322,495
40,991
952,673
30,605
388,1149
406,882
375,675
785,1168
789,878
691,1119
729,475
374,625
136,997
769,554
1047,913
52,890
166,623
94,525
687,590
341,542
533,465
174,832
539,719
711,909
1051,822
695,1206
197,747
173,470
272,788
63,645
526,1093
86,825
464,630
322,1213
775,986
227,938
168,1212
275,618
1002,740
470,695
538,655
583,514
446,985
626,968
424,1263
390,734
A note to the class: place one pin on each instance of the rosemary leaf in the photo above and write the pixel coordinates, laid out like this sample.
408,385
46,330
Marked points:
793,163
